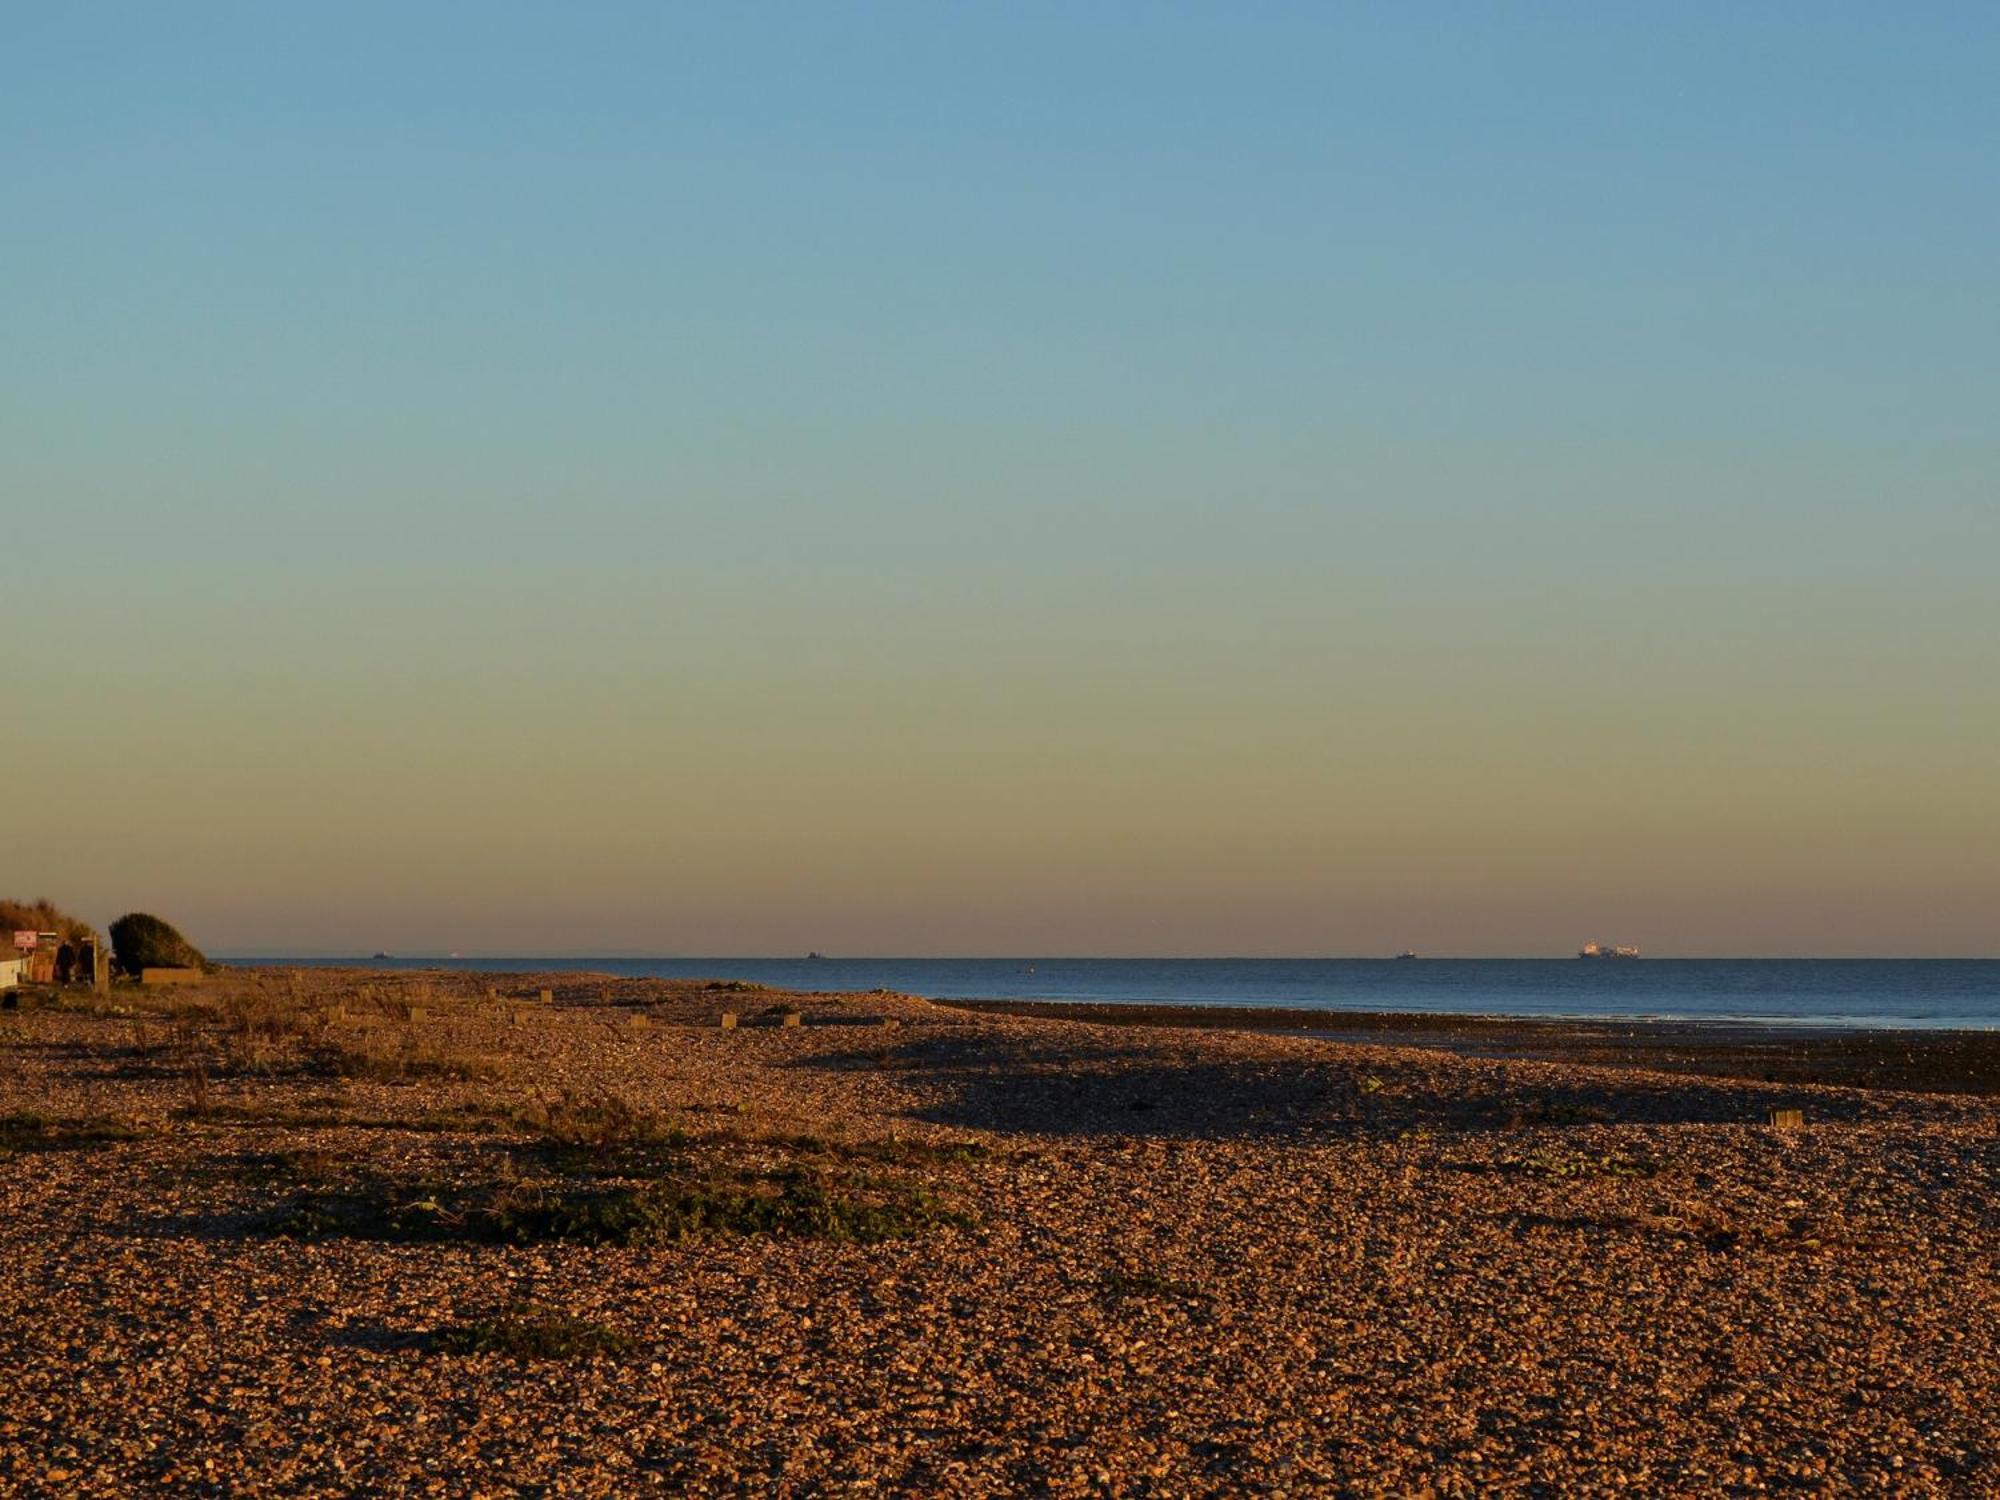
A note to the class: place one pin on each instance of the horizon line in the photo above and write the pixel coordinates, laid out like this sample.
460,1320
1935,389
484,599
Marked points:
278,955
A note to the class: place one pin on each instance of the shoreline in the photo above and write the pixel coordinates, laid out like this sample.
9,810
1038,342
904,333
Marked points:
1912,1059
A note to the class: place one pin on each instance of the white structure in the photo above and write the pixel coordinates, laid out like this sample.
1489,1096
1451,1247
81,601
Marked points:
10,972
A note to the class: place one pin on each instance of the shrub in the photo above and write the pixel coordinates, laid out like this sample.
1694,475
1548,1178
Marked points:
142,941
43,916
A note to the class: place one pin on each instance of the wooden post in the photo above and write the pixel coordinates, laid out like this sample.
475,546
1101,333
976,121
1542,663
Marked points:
548,997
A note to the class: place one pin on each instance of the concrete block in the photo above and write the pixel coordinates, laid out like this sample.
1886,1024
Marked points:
1788,1119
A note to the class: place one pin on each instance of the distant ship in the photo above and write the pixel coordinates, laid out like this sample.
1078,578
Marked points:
1599,950
1406,953
815,954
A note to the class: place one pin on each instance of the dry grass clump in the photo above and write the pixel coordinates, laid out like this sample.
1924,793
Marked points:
262,1033
383,1055
596,1122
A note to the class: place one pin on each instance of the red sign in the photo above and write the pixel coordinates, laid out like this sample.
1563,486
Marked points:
24,940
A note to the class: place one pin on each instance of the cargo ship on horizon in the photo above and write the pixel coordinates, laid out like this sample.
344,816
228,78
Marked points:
1606,950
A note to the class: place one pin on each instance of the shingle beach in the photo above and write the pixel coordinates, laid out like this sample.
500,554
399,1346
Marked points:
282,1235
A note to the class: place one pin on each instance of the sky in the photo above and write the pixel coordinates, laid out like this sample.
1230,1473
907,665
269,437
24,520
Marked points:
1031,479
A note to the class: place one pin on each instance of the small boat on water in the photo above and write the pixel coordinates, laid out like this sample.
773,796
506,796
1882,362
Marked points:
1606,950
1407,953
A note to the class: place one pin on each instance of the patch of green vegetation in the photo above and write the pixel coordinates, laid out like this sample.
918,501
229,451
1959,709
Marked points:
525,1333
1560,1165
1119,1285
310,1114
892,1151
1564,1164
790,1203
25,1131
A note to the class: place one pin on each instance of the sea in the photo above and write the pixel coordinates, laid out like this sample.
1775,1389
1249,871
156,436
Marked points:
1951,994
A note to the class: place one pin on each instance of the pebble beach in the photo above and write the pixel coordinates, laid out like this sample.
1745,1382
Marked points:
337,1232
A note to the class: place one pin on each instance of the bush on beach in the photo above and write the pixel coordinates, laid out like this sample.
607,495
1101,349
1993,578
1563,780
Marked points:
44,916
143,941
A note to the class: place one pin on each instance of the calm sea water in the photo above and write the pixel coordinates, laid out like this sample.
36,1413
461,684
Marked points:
1960,993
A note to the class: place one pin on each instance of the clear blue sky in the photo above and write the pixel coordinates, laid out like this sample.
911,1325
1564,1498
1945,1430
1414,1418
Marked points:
1008,479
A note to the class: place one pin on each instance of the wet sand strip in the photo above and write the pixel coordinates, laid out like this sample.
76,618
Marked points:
1920,1061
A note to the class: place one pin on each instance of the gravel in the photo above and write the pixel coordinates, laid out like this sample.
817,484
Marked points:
1174,1262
